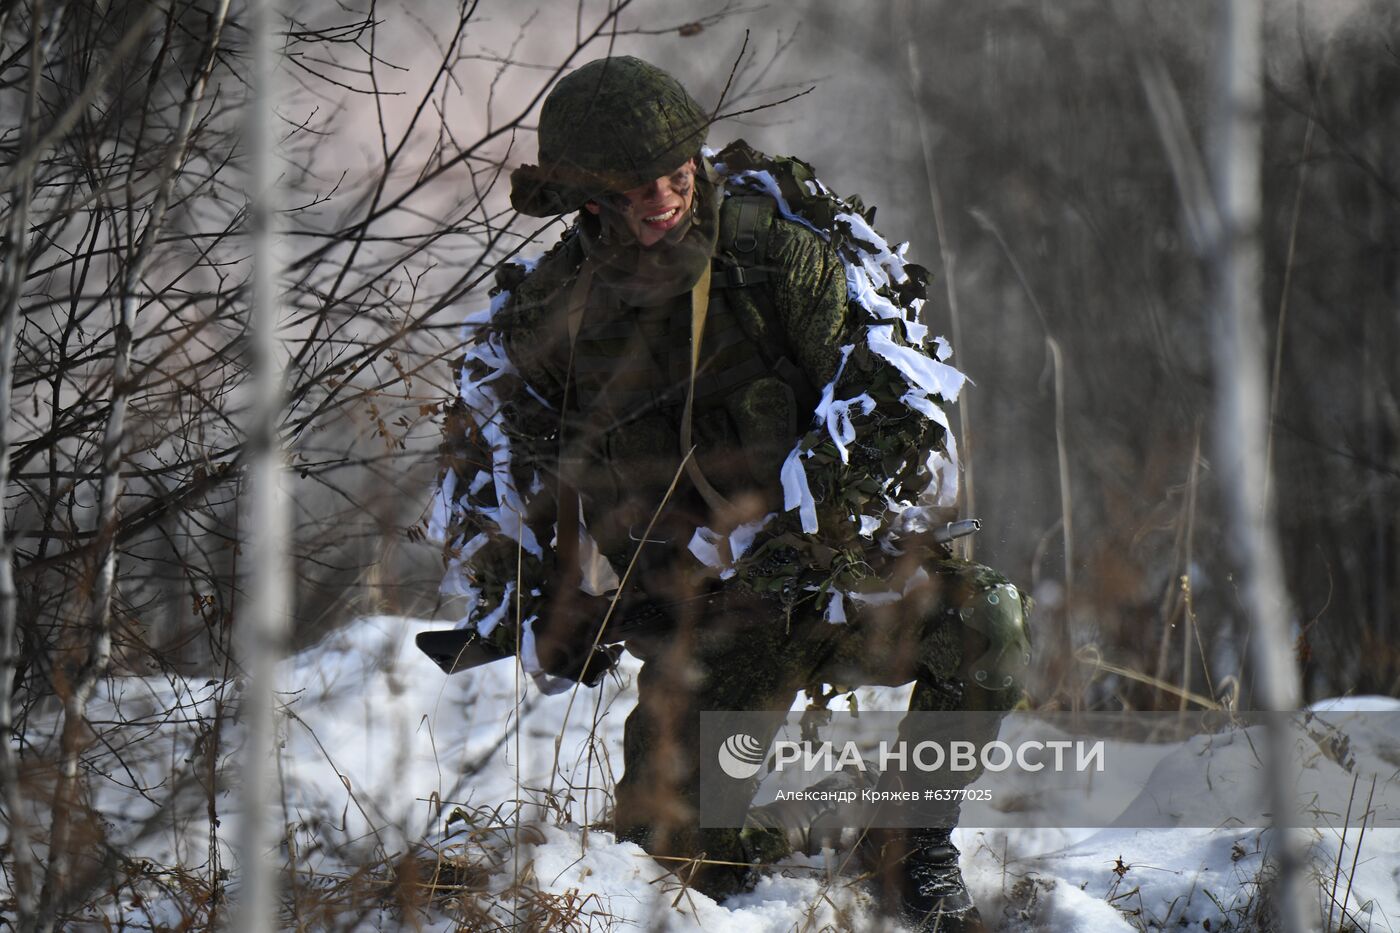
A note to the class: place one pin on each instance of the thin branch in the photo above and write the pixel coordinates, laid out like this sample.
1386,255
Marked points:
25,164
99,647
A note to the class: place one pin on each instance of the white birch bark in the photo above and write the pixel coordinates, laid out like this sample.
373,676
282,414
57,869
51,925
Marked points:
1243,411
262,626
15,268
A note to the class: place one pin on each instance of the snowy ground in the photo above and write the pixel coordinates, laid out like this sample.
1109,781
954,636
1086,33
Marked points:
379,736
405,733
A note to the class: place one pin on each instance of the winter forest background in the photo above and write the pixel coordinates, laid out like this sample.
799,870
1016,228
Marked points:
1040,157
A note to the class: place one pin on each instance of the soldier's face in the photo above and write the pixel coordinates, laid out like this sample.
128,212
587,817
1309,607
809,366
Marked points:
650,210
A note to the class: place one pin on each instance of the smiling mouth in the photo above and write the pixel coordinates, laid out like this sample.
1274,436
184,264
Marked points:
663,217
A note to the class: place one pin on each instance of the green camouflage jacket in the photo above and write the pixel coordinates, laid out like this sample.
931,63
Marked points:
818,415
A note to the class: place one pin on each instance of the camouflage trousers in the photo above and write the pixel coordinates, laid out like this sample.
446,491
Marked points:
962,640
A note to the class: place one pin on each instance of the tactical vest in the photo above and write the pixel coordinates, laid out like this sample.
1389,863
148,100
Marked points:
631,370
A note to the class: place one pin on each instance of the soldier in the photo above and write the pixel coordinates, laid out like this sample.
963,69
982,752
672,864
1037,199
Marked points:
682,405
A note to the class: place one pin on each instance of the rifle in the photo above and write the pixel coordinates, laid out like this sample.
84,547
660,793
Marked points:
461,649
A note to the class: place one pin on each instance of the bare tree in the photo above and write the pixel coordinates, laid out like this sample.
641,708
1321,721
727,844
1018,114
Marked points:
264,623
1232,246
127,355
144,401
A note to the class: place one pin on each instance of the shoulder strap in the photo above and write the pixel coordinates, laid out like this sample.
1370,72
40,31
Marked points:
743,241
578,301
745,231
699,308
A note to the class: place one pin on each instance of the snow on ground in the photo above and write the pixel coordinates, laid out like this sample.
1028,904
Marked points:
1051,880
380,749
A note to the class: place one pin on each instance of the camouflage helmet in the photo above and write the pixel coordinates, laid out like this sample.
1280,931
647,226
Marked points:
611,125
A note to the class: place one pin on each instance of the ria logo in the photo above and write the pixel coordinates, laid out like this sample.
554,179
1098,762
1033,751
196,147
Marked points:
741,756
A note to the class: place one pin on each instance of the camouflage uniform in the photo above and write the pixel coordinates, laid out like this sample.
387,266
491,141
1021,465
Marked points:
588,387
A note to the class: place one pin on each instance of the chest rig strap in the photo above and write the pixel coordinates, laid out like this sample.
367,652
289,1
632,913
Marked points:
699,308
568,500
744,223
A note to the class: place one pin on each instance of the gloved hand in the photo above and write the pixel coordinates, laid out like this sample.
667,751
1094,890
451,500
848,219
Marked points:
588,668
564,639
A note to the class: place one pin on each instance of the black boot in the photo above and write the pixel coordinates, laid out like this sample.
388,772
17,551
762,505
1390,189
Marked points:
919,883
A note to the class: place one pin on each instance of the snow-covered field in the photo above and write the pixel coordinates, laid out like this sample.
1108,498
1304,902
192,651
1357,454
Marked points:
378,737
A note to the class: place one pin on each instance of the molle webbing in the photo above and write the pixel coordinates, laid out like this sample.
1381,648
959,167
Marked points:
633,362
733,355
636,375
639,359
744,221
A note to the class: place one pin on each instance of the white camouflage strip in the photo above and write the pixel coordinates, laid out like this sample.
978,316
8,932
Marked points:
871,264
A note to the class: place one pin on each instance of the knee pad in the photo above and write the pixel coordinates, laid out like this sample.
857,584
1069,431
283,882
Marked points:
996,614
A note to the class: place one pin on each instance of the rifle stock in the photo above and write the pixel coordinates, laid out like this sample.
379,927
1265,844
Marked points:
461,649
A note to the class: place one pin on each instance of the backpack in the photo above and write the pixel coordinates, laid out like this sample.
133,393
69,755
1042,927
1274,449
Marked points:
897,479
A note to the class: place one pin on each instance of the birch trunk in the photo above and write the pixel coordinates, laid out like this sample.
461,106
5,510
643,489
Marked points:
16,266
1235,258
262,626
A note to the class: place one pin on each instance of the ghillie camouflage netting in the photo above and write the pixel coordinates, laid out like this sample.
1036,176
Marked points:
877,463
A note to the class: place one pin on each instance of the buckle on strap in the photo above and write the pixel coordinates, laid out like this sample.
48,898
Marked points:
737,276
